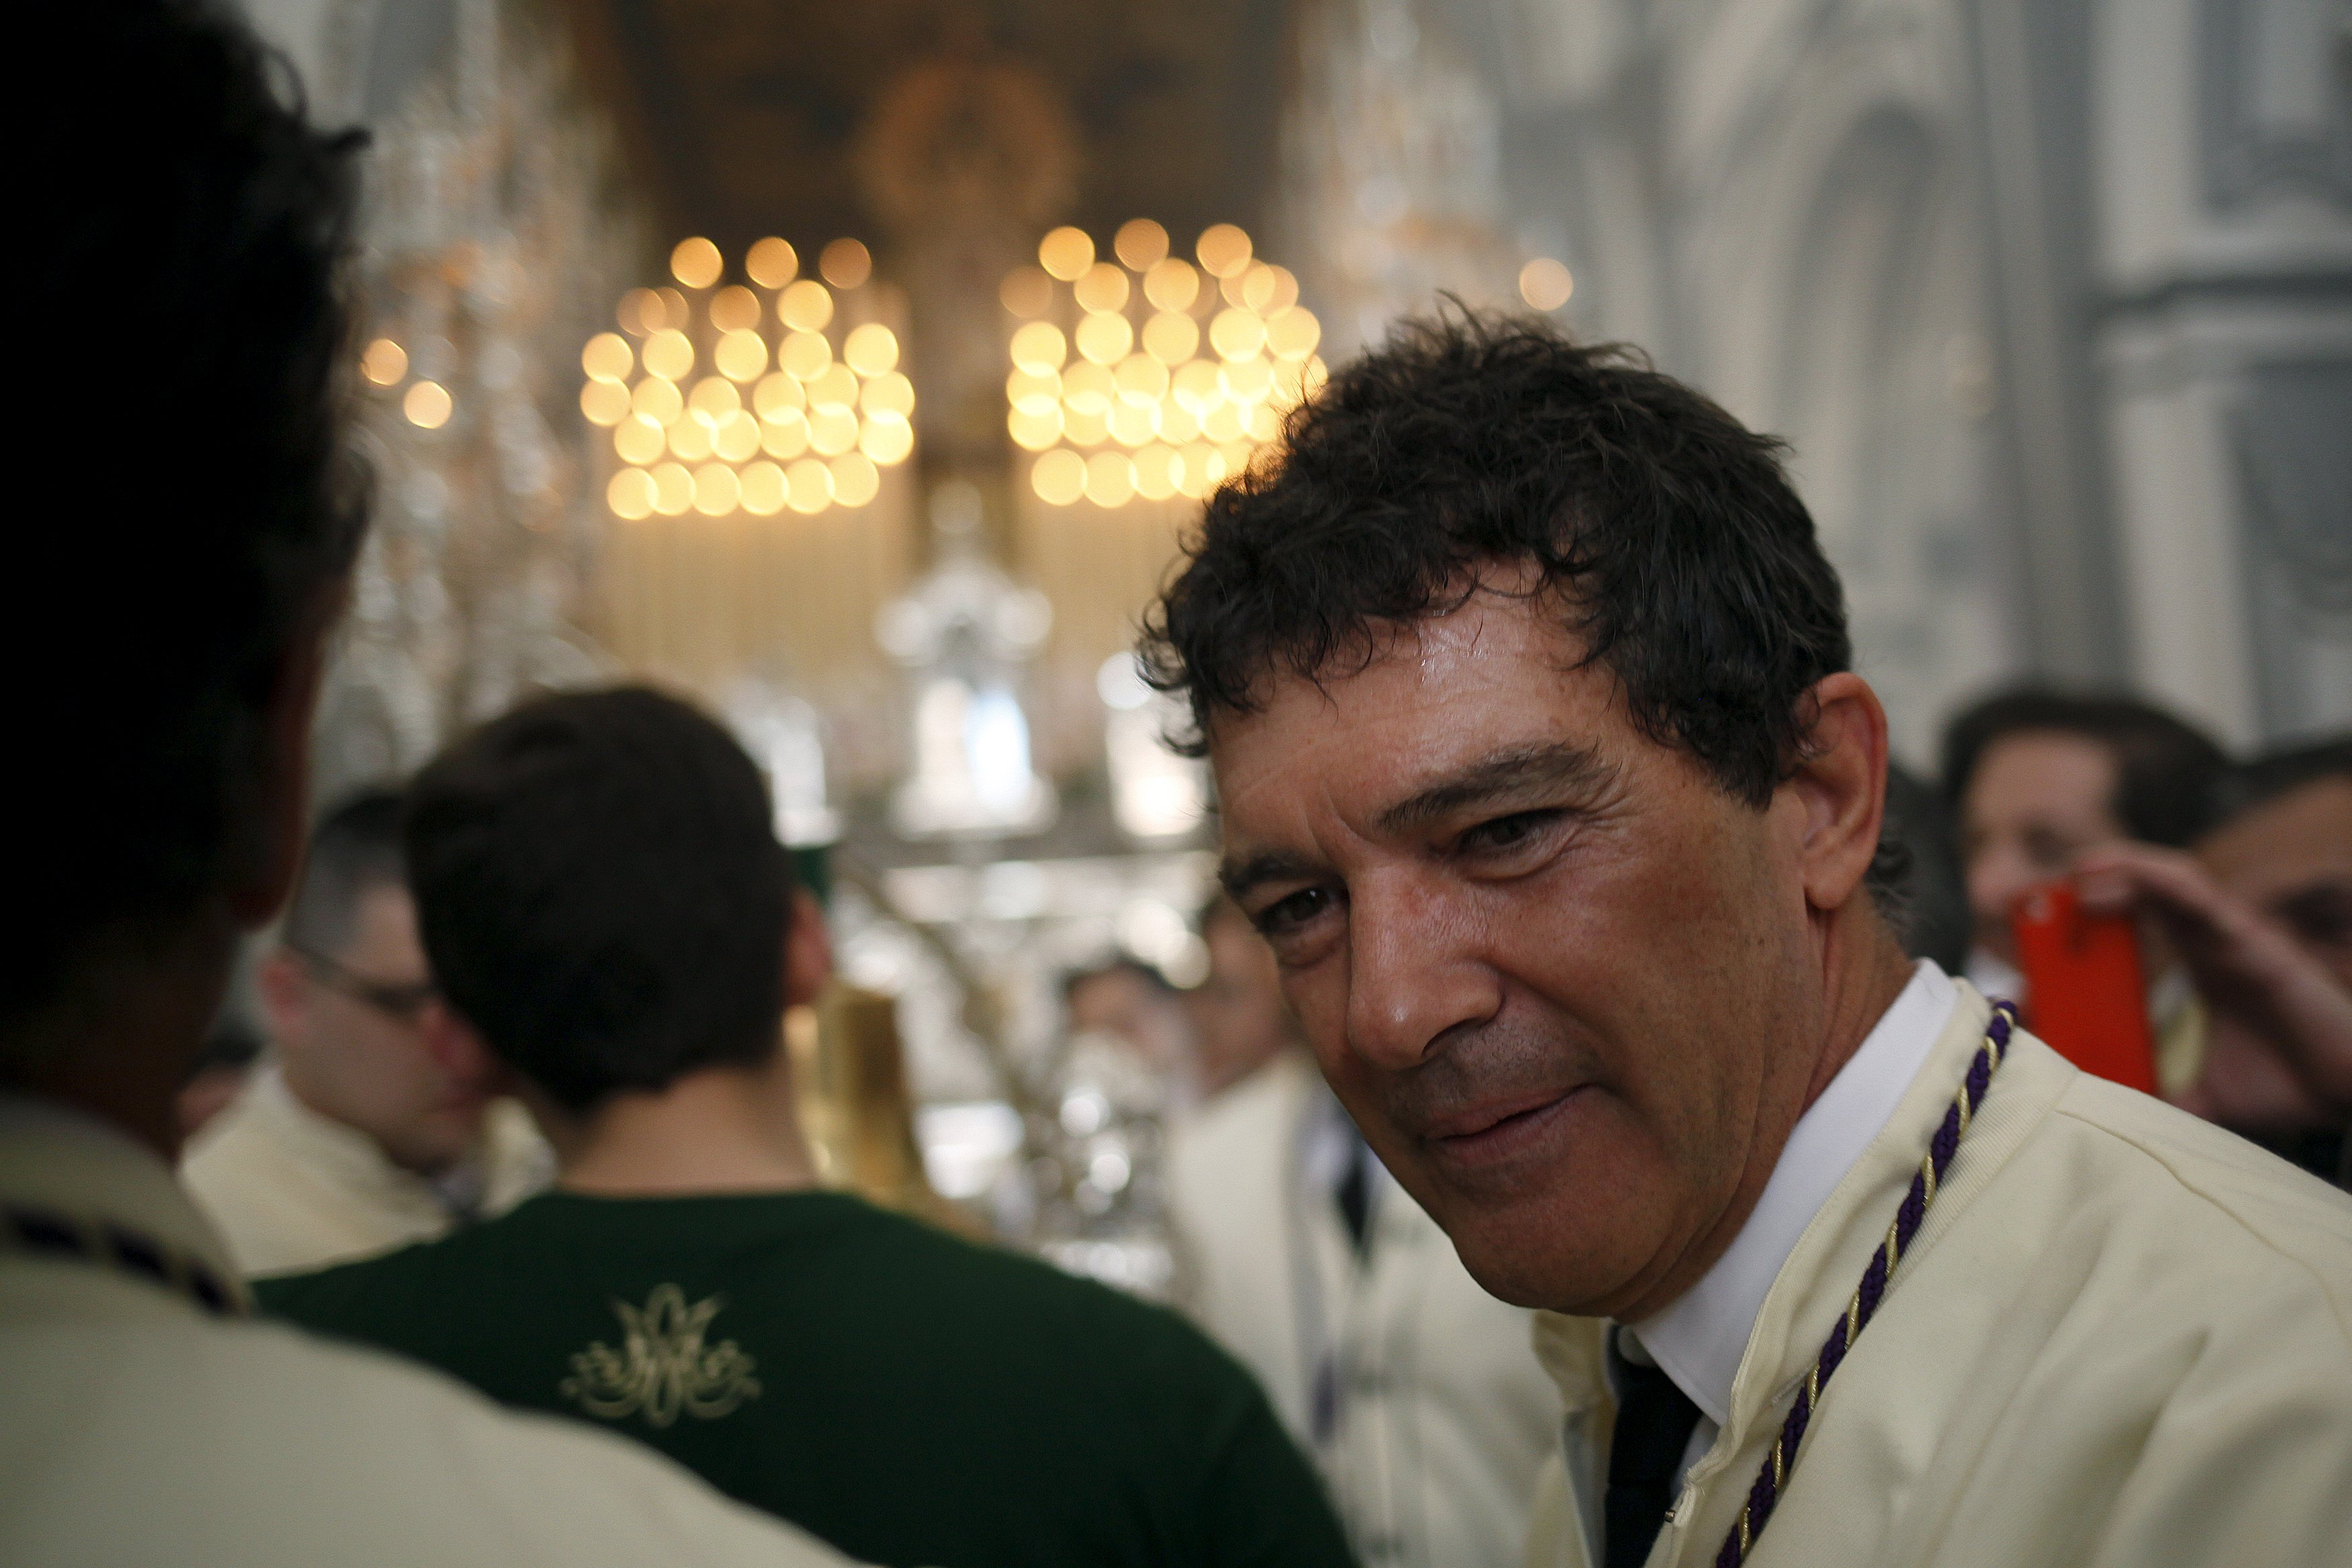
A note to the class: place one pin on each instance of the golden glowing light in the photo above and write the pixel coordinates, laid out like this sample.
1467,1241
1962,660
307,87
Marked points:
887,438
1129,424
1034,429
763,489
772,263
1040,346
1224,250
890,392
1059,478
676,311
1142,380
1178,424
784,436
1029,392
845,264
736,437
1222,423
1155,472
696,262
385,363
832,430
1292,334
1066,253
639,440
658,399
1102,287
778,394
805,355
1171,284
1110,479
871,349
1172,336
855,481
1263,289
832,387
606,358
642,311
741,356
1546,284
1026,291
689,441
1236,334
808,485
427,405
1088,388
631,493
604,402
734,309
1139,242
1104,339
715,490
1197,386
712,399
673,489
1245,380
669,354
804,306
1085,427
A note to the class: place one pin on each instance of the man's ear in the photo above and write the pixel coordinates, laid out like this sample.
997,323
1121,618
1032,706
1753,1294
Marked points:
1840,782
285,993
460,1050
808,951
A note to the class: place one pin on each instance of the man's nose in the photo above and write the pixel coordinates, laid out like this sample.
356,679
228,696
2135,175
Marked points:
1415,969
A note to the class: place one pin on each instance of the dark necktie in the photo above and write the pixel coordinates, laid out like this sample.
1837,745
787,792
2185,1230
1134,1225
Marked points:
1654,1422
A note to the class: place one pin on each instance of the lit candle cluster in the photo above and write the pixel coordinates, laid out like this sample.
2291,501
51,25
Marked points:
753,397
425,402
1147,376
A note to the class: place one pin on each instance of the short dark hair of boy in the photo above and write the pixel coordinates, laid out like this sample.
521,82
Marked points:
602,894
354,850
205,226
2169,775
2286,769
1679,553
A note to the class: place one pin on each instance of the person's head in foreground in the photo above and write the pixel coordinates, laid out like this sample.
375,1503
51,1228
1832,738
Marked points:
170,784
2037,778
348,990
1545,776
608,910
2285,845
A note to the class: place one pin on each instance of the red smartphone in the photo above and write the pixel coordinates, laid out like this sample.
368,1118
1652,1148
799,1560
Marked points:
2084,992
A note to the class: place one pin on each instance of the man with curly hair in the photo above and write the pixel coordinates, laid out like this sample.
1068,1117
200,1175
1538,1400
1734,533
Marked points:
1545,772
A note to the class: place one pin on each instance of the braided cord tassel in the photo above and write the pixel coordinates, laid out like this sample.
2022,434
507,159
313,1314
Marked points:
1765,1495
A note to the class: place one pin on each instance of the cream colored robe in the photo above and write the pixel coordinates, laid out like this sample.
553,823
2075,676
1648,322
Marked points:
135,1430
2122,1337
289,1190
1443,1420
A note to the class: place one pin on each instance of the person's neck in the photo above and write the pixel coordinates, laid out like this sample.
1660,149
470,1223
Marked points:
719,1130
118,1042
1863,971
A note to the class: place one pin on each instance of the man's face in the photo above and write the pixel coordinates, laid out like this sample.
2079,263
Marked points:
2292,859
2037,799
349,1031
1557,975
1122,1004
1240,1021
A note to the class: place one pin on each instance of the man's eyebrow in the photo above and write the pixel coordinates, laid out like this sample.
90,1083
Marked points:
1240,877
1518,770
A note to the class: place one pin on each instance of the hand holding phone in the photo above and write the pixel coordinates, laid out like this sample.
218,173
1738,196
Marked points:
2084,992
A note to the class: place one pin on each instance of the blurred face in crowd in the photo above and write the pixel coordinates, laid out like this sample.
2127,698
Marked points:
1568,987
2037,799
2291,857
1128,1007
1240,1020
349,1036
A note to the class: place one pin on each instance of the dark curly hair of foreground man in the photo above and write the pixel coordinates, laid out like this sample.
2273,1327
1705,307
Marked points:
1545,770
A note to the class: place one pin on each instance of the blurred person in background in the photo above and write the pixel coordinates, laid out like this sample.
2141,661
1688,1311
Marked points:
2261,917
1418,1393
1932,893
1127,1008
150,1420
2036,779
355,1138
611,918
223,1068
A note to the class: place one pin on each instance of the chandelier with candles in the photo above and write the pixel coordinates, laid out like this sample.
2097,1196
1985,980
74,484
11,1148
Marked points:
1144,376
778,393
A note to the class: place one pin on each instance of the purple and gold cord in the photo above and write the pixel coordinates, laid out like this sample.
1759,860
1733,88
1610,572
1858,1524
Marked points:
1765,1495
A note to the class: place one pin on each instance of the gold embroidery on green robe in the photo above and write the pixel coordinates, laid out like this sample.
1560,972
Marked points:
663,1368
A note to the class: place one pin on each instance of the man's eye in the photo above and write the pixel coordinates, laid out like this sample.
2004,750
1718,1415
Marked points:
1506,832
1289,913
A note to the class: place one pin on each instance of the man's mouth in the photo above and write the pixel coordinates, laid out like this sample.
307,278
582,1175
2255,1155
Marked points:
1497,1129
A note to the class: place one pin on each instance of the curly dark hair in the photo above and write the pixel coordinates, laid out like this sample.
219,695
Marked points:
190,322
1689,566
